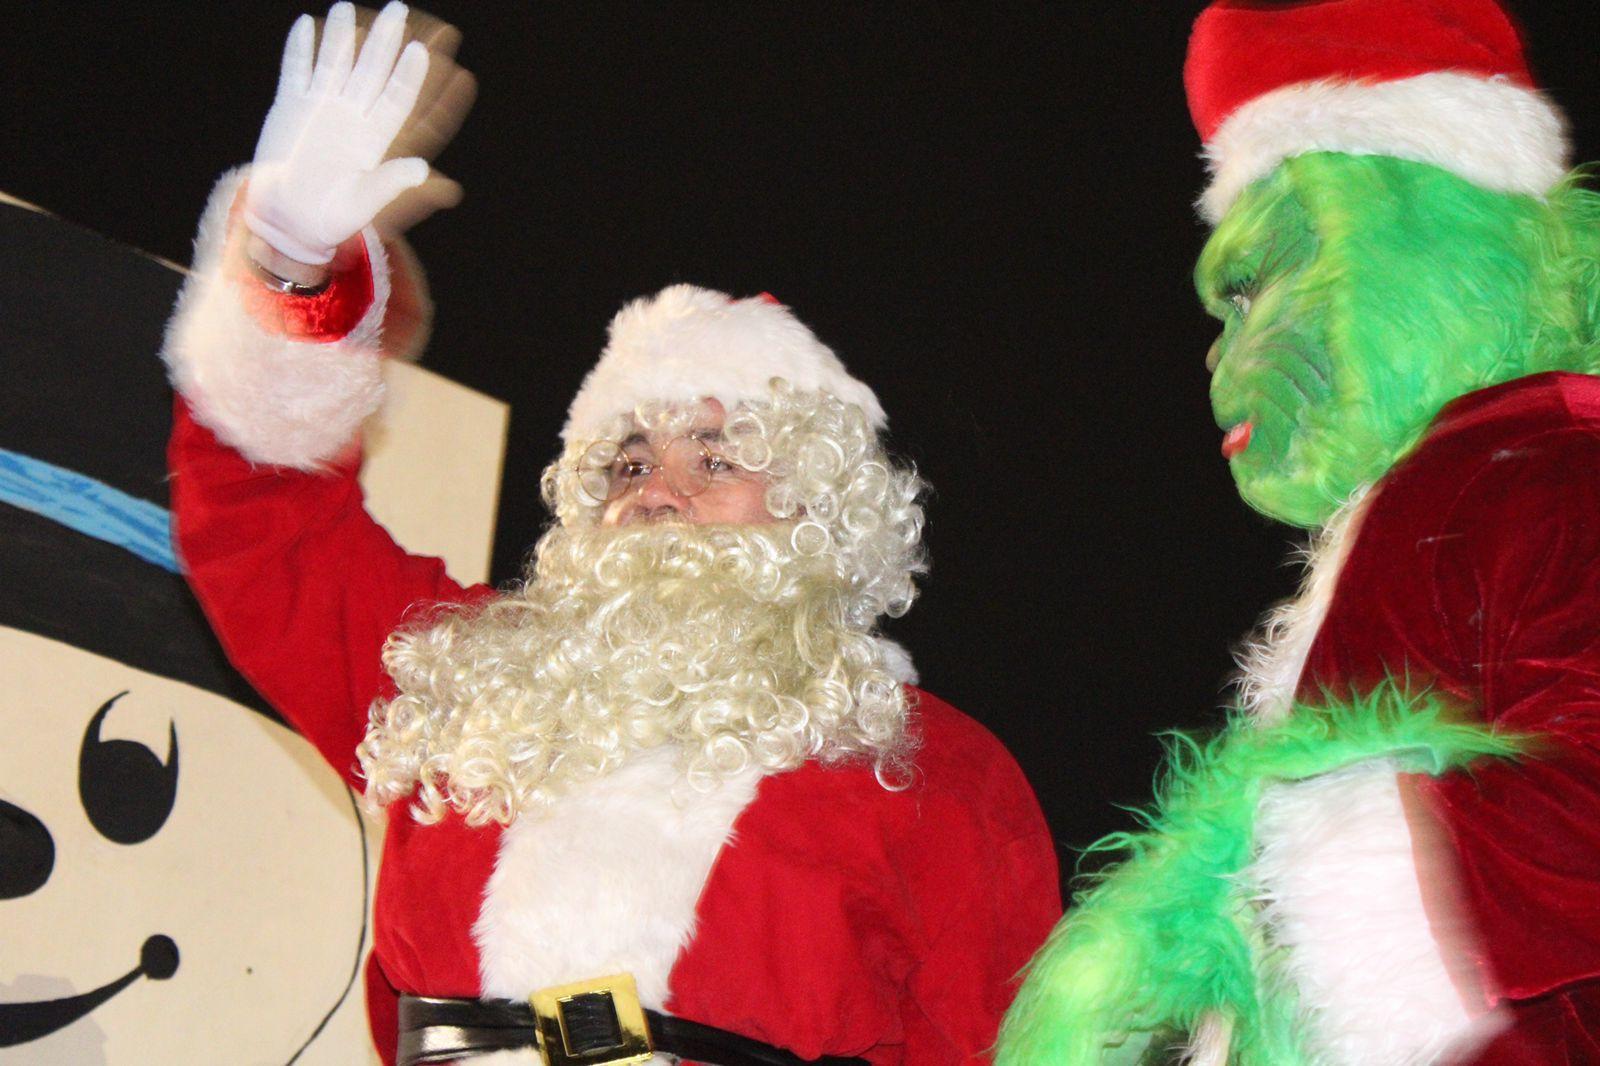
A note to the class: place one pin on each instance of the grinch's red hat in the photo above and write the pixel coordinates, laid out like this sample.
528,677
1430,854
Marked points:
1436,81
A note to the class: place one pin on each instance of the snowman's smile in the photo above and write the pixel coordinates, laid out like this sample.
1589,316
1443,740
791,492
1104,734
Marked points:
21,1023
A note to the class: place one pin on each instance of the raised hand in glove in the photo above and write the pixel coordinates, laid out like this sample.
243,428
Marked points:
319,174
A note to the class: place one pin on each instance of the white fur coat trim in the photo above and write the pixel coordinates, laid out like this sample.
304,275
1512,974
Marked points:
277,401
1336,874
1272,659
606,881
897,661
1491,131
686,343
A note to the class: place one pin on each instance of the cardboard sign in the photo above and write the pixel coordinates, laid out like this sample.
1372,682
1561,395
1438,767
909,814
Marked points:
182,880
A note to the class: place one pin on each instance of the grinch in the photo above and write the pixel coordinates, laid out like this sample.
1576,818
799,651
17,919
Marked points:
1390,853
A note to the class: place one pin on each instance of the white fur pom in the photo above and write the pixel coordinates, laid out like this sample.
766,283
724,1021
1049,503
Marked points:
1339,890
686,343
277,401
1490,131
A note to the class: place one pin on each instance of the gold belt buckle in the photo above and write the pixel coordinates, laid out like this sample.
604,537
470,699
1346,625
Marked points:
599,1022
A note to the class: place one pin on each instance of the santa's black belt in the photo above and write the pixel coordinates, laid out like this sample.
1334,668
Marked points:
592,1023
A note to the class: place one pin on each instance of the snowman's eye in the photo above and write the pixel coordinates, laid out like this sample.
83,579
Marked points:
127,791
27,852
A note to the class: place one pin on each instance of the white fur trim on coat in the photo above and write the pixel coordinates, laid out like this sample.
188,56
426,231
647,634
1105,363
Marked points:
278,401
1272,659
686,343
606,880
1337,878
897,661
1490,131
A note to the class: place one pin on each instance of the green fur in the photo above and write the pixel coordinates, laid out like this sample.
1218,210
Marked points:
1165,936
1380,290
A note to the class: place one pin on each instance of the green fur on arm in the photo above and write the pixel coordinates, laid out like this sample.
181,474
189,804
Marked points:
1166,936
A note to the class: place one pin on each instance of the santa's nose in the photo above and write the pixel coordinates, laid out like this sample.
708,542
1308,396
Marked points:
27,852
657,492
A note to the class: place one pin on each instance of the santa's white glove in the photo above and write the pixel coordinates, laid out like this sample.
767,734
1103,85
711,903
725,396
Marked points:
319,174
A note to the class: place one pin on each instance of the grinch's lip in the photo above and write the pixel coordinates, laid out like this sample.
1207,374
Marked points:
21,1023
1237,439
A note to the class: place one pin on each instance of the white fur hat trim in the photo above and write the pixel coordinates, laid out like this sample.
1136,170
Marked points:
687,343
1490,131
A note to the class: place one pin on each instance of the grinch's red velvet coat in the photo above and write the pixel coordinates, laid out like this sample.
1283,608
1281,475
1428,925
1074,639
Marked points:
841,918
1476,569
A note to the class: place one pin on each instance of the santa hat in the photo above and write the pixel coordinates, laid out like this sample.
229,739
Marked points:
687,343
1443,82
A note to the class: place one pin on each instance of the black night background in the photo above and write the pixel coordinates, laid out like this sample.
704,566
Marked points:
985,209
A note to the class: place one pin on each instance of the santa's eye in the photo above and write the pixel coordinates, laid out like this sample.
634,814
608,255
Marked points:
126,789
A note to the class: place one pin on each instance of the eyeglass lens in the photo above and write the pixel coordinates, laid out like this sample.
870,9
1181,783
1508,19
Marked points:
607,471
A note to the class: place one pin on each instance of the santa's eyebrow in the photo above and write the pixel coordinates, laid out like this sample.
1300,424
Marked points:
707,436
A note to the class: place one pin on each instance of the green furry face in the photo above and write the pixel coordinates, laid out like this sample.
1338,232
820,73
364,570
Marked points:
1360,294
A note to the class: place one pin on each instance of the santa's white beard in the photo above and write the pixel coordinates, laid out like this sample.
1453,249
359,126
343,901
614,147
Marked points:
721,640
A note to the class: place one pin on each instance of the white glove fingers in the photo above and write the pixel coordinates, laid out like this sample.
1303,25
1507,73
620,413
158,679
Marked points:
294,77
338,48
377,57
389,113
374,190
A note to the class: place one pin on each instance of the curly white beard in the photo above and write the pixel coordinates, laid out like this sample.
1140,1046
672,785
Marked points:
722,640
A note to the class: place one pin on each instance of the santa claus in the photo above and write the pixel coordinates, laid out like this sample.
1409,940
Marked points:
671,794
1391,854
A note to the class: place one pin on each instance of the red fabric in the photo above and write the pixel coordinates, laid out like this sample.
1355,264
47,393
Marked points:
383,1010
327,316
241,529
886,924
1477,569
842,919
1242,49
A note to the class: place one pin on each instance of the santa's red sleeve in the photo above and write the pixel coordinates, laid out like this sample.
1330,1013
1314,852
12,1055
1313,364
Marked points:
300,584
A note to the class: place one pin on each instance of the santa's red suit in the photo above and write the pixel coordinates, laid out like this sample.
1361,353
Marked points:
814,909
1473,567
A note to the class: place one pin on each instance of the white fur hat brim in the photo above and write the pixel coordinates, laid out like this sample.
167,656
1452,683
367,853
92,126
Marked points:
686,344
1491,131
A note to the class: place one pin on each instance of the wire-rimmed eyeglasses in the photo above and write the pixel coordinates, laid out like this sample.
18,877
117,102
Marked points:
607,470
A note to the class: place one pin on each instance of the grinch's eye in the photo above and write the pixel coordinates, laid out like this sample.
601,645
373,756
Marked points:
1240,302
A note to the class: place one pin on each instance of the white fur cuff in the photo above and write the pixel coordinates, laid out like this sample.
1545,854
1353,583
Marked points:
1338,885
276,400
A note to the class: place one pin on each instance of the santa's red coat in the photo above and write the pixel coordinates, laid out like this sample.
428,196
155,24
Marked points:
836,917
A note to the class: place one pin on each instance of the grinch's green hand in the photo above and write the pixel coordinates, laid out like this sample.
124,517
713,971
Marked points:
1168,935
1143,955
